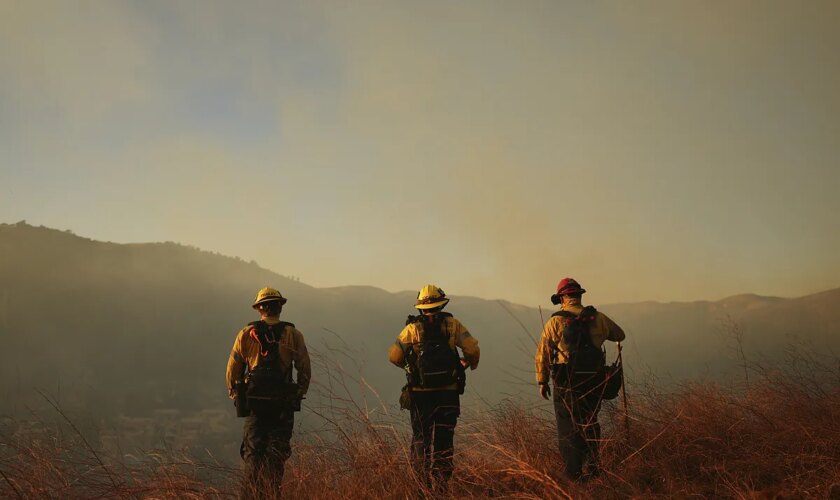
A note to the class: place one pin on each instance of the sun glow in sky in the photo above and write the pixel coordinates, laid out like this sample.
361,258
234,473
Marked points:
653,150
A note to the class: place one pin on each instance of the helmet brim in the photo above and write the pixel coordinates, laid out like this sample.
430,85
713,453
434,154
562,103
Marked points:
282,301
433,305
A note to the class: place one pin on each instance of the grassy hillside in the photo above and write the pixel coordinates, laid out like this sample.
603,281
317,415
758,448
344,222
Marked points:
135,338
777,438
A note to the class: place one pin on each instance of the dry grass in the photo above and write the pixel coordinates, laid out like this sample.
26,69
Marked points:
778,437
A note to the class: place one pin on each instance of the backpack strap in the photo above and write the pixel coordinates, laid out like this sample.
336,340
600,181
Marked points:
554,349
581,320
440,321
586,315
419,318
443,328
269,338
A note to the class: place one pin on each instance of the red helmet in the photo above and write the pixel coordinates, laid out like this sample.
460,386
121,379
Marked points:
568,286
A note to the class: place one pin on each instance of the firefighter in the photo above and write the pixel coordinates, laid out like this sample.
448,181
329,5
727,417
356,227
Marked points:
259,379
427,349
575,409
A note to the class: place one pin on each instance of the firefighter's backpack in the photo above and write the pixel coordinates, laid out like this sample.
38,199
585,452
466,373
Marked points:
269,387
434,363
585,371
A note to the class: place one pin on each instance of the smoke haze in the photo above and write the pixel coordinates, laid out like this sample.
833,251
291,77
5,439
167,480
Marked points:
664,151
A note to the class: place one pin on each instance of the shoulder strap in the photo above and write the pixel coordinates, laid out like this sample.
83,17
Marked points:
576,327
443,325
257,330
262,325
565,316
440,320
419,318
588,314
269,338
443,328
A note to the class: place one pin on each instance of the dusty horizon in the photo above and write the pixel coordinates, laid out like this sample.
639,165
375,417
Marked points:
545,303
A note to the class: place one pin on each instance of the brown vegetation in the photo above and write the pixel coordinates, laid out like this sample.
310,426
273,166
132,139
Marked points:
778,437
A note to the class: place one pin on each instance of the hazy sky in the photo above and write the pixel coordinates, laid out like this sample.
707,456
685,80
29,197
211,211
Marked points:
671,150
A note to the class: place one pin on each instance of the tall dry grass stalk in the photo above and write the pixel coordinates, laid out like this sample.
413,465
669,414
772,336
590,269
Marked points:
778,437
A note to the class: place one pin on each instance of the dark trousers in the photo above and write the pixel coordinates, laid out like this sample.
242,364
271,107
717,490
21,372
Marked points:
434,415
578,432
265,448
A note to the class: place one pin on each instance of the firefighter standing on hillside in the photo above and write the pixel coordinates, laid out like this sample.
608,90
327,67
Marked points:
576,413
427,348
259,379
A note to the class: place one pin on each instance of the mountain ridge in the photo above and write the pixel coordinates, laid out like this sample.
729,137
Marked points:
68,234
168,281
130,330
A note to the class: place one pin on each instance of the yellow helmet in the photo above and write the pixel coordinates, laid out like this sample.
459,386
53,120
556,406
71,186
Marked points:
431,297
268,294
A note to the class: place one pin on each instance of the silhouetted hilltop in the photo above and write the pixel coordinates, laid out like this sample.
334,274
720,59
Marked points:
128,328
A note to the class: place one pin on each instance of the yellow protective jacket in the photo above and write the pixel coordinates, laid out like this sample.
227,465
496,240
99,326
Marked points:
458,337
603,328
246,353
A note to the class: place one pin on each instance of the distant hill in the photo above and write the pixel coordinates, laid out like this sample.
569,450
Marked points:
130,328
